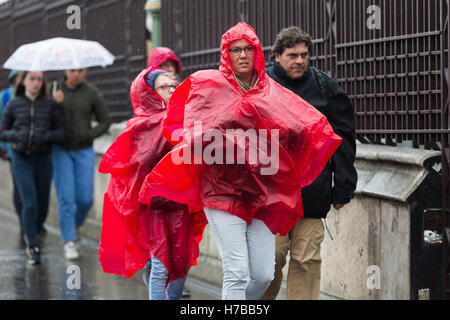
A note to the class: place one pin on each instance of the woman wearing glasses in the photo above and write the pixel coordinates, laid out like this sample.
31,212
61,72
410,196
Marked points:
131,231
246,200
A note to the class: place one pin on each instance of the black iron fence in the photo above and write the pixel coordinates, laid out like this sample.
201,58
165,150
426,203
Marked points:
118,25
391,56
394,70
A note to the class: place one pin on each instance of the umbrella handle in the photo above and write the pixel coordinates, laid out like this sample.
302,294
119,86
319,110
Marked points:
54,87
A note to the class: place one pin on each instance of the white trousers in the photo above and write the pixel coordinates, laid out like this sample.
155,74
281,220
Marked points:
247,252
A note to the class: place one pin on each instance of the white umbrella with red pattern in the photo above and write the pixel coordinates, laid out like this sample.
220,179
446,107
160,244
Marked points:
59,54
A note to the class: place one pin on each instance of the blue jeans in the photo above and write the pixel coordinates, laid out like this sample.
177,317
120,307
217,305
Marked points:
33,176
158,279
73,174
247,252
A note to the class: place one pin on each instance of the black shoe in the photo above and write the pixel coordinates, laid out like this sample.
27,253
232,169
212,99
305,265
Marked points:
34,255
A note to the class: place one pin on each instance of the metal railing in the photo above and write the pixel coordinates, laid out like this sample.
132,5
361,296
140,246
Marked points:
390,56
116,24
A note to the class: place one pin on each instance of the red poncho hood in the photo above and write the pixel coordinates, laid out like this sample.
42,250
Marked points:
214,99
238,32
146,102
149,111
159,55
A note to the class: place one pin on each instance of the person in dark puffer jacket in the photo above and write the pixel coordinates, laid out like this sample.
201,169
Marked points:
32,122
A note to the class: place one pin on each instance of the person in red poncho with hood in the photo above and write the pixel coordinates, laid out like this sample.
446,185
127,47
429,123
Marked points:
165,59
130,231
244,148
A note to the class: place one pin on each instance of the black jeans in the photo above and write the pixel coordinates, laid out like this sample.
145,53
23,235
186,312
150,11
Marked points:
33,175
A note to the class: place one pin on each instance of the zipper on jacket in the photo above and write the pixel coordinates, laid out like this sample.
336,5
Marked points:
30,135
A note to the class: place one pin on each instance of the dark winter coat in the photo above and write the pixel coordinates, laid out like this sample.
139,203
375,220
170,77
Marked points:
32,126
329,98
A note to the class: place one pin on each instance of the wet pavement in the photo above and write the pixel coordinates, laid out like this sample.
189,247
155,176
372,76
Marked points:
57,278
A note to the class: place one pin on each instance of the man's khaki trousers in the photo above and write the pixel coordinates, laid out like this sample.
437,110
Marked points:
303,279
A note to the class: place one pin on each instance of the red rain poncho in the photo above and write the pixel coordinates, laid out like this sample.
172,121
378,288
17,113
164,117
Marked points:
131,230
214,98
159,55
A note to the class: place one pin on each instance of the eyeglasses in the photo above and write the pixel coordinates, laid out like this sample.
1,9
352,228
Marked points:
166,87
237,51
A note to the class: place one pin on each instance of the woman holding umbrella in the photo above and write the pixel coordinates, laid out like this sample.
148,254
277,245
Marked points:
74,159
32,122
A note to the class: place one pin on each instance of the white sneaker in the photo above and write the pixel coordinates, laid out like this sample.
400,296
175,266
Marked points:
71,251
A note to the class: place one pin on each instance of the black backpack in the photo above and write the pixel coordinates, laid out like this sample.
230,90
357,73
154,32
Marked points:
324,83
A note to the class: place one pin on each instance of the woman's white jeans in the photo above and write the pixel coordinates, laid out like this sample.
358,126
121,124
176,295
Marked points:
247,252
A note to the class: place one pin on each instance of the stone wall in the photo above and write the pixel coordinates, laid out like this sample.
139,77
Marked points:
372,234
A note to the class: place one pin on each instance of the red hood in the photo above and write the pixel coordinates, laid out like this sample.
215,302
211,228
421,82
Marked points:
144,99
160,55
242,31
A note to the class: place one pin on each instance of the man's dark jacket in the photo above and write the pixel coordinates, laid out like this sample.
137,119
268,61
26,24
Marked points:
32,126
329,98
79,105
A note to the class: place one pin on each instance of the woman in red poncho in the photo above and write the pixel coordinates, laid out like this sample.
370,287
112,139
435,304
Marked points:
165,59
130,231
224,123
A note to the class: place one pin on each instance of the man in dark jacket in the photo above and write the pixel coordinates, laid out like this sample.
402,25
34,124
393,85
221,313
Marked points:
335,185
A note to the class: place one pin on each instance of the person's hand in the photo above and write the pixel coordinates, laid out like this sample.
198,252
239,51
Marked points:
58,96
338,206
